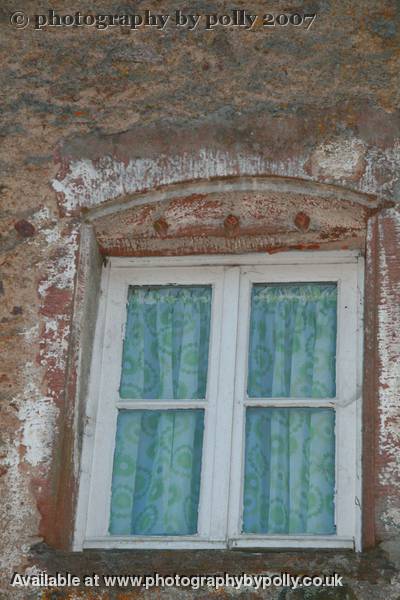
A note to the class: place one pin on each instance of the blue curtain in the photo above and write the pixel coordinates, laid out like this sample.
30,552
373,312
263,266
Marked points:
289,471
165,353
289,458
290,452
158,453
292,348
156,473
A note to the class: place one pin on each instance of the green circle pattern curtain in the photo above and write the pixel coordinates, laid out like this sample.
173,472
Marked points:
158,453
156,474
165,353
289,471
290,452
292,348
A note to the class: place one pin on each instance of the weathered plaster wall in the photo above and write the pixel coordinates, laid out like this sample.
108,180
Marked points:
91,117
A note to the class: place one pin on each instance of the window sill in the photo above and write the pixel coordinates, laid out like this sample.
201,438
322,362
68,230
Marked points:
282,542
241,543
153,542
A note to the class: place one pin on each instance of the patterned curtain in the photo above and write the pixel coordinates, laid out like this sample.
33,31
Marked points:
293,341
290,452
289,471
158,453
156,474
165,354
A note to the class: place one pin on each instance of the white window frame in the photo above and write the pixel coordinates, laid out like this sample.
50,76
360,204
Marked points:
221,490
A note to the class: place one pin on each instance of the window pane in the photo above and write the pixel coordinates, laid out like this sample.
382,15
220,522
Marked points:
289,471
165,354
156,473
292,347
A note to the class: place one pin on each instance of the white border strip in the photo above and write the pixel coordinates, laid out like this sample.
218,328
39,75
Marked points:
293,542
153,543
291,258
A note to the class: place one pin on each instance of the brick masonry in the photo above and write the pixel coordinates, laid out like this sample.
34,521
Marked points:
174,142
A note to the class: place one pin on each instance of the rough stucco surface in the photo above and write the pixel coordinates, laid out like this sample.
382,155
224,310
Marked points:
93,116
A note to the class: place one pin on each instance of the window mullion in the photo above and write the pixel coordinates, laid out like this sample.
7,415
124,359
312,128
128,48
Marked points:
225,404
237,448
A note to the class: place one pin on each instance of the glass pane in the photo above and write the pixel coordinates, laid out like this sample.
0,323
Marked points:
156,473
289,471
165,354
292,349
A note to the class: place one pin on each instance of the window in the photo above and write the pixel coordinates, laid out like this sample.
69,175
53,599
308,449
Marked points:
225,404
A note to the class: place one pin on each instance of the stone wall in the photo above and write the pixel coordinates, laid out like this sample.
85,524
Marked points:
95,120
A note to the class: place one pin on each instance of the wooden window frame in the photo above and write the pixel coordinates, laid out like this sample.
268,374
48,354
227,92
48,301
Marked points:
220,506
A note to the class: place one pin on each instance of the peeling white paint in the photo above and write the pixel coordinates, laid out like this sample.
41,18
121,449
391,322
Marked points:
338,159
16,495
61,272
32,333
38,416
34,570
341,161
52,235
391,517
89,185
42,219
380,161
41,216
56,345
389,351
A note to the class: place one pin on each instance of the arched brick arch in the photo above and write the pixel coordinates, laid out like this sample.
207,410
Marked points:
233,215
